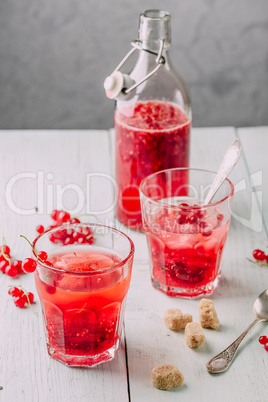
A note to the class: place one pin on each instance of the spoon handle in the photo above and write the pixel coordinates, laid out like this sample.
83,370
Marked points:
230,159
223,360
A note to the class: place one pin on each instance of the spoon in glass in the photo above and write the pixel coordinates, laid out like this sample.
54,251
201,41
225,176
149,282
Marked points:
223,360
230,159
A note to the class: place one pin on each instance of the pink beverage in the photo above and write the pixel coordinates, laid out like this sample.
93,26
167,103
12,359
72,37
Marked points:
185,237
150,136
186,253
83,298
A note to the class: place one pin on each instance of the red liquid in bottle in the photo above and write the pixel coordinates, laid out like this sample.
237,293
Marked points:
150,136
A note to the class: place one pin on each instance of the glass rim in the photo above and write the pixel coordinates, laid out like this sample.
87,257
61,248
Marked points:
75,225
156,14
163,204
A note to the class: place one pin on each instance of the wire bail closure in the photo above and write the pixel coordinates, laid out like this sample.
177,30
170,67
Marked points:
160,61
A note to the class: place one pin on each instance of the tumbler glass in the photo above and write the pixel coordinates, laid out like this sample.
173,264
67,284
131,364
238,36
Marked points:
185,237
82,288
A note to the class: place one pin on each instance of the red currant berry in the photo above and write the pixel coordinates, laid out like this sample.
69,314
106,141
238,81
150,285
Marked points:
50,289
61,235
262,256
220,217
255,253
184,205
68,241
75,236
207,232
81,240
3,265
200,213
73,220
29,265
54,214
194,219
17,264
266,347
206,229
259,255
11,271
263,340
53,239
203,225
40,229
87,231
89,239
28,297
15,292
69,232
181,218
63,216
49,263
19,301
31,297
5,249
42,255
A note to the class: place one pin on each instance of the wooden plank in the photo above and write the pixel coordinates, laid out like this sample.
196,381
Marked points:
150,343
255,140
27,372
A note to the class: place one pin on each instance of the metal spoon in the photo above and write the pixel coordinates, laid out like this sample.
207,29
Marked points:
223,360
230,159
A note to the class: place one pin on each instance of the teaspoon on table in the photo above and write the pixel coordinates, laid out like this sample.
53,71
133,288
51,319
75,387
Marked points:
223,360
230,159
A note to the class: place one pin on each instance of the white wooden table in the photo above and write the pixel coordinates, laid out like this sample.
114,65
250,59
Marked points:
40,168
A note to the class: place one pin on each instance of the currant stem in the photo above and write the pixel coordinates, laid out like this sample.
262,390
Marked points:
34,251
27,297
262,264
2,251
9,260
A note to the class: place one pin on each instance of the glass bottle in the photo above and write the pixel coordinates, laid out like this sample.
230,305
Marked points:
153,121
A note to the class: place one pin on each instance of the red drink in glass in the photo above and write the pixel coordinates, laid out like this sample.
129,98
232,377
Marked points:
187,255
185,237
150,136
83,297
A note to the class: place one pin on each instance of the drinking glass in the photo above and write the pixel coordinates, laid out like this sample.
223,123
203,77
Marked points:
82,287
185,237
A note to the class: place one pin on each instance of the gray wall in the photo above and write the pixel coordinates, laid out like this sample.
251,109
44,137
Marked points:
55,54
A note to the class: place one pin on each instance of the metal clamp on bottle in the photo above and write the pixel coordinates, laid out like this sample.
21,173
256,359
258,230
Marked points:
118,85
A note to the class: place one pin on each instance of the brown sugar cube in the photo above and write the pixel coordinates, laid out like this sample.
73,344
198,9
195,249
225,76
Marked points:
167,376
175,320
207,314
186,318
194,335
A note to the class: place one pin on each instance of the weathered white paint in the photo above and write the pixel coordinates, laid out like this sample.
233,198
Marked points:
27,373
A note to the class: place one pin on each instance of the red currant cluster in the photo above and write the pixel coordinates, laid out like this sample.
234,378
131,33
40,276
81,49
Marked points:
29,264
260,256
194,217
9,266
67,236
82,235
264,341
187,215
13,268
21,296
